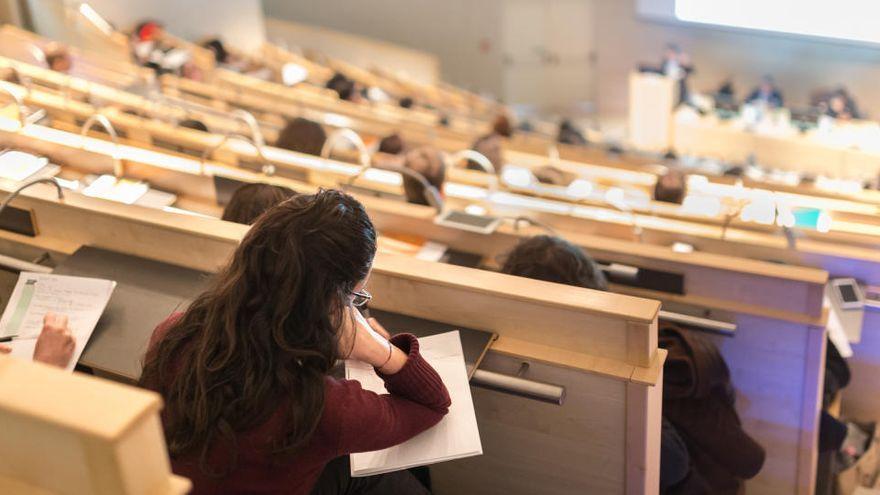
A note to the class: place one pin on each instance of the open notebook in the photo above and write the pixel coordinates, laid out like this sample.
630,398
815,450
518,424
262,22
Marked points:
82,300
454,437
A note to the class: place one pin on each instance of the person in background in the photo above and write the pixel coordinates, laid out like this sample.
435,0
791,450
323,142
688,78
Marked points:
151,49
725,96
502,126
490,146
688,465
221,55
58,58
570,134
303,136
677,65
346,88
56,343
427,162
553,259
841,105
392,145
671,187
767,93
252,200
245,372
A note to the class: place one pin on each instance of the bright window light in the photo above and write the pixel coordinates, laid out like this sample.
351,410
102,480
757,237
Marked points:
851,20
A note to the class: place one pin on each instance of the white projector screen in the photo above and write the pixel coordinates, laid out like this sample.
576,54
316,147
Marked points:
850,20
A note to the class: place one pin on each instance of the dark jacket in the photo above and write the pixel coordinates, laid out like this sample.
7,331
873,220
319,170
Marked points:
698,399
774,99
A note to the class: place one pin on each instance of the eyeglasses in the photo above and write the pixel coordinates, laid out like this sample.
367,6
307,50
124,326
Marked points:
360,298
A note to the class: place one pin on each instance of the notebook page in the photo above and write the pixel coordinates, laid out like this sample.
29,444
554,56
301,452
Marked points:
454,437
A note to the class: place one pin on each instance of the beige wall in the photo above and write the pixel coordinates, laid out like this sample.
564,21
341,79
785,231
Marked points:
358,50
453,30
799,64
238,22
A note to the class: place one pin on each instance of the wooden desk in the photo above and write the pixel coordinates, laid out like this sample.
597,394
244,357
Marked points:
707,136
602,347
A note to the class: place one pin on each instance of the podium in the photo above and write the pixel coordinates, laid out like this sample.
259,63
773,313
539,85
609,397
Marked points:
652,99
69,433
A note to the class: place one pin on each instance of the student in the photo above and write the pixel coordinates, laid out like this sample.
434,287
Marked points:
56,343
767,93
670,187
502,126
841,105
252,200
346,88
302,135
553,259
392,145
221,55
58,58
244,372
570,134
492,148
428,162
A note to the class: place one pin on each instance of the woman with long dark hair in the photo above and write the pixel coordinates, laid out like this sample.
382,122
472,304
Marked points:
249,405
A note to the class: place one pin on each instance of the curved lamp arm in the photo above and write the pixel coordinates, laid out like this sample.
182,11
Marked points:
432,195
38,55
98,118
268,168
481,160
474,156
19,103
352,137
553,154
251,121
622,207
44,180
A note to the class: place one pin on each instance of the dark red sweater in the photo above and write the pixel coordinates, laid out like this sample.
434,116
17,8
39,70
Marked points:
354,420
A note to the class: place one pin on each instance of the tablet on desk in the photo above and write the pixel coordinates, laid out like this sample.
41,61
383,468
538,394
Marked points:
465,221
848,293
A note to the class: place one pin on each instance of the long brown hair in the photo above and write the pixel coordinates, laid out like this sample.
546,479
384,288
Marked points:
263,337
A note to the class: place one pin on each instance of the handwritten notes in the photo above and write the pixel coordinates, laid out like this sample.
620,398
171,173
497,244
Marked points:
82,300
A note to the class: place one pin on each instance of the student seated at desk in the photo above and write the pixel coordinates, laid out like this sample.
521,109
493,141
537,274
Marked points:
492,148
55,344
346,88
427,162
392,145
570,134
703,448
58,58
502,126
767,93
671,187
244,372
302,135
250,201
841,105
553,259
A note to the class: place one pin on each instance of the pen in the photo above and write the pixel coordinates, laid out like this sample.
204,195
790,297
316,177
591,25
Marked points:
10,338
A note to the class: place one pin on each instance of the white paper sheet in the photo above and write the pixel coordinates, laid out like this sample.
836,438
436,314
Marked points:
18,165
82,300
454,437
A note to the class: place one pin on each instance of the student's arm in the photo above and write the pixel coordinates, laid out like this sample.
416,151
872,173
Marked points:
366,421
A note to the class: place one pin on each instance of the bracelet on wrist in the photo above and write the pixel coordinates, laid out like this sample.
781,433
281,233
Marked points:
388,359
